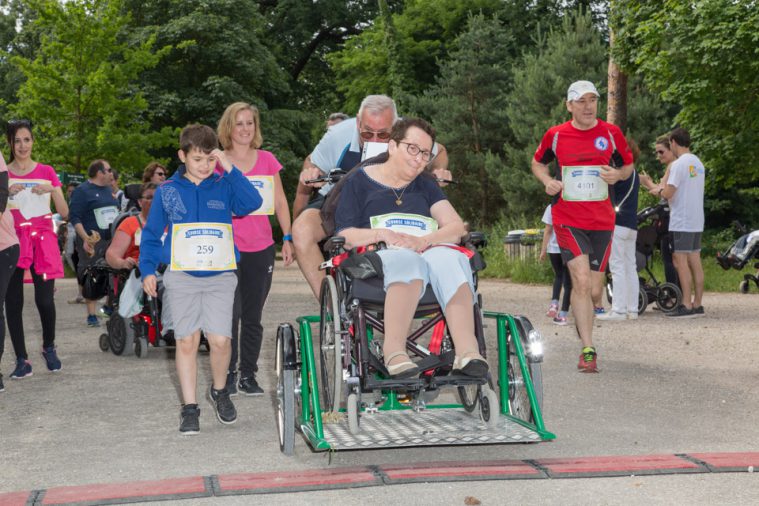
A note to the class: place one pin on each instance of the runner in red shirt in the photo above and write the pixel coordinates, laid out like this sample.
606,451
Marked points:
591,156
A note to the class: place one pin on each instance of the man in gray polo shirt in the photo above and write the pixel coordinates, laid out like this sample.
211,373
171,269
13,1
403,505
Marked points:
685,192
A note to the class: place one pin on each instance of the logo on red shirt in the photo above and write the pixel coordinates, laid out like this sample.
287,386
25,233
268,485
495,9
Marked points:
601,143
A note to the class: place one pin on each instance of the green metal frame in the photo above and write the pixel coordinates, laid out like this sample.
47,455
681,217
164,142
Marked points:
311,414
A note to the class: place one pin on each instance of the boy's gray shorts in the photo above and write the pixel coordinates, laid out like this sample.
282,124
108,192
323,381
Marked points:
197,303
686,242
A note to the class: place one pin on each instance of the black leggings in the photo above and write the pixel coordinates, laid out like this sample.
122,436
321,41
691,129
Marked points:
14,305
254,274
8,260
561,277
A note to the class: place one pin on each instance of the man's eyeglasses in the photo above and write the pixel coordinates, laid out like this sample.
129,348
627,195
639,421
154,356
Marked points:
106,170
659,152
368,135
415,150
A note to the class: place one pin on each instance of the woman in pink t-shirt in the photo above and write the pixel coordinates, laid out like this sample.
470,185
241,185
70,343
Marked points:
240,135
8,252
32,186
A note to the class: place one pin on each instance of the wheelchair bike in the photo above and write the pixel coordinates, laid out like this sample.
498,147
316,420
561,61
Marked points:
335,389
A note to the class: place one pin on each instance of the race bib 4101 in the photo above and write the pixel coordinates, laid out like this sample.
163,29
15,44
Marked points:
583,183
202,247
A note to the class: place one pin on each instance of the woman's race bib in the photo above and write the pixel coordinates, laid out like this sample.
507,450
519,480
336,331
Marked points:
30,204
202,247
104,216
583,183
265,187
412,224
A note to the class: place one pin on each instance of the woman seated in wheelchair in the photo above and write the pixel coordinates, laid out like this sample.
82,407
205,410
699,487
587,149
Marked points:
395,203
124,250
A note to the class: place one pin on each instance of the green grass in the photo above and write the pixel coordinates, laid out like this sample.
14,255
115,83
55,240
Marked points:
530,271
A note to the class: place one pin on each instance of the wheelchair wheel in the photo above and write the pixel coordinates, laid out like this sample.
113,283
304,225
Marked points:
668,297
104,342
353,413
141,347
285,398
743,287
642,299
489,407
121,334
469,395
330,347
519,400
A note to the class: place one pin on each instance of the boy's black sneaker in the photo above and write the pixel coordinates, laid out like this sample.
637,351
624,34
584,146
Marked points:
249,386
189,420
681,312
699,311
232,383
222,404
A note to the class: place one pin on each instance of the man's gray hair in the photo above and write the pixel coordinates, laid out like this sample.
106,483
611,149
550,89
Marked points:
377,104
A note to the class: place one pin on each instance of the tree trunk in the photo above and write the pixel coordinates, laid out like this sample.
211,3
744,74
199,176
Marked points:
616,110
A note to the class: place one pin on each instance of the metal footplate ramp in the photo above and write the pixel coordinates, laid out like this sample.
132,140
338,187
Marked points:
431,427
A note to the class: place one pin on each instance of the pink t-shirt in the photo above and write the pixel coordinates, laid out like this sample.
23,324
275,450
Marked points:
7,230
40,172
253,233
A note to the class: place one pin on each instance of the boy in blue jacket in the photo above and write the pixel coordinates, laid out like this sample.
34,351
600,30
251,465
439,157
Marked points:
194,208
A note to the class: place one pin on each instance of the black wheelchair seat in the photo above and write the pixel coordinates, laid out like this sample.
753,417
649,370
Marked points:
371,291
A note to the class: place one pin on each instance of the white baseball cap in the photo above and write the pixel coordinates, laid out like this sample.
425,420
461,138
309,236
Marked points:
579,88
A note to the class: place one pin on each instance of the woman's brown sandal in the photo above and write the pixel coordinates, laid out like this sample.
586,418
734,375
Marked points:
471,364
404,369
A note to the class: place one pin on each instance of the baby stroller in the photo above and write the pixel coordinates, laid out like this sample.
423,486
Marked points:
667,296
742,251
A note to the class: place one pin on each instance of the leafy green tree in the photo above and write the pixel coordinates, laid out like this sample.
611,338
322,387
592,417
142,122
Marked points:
18,36
703,56
220,54
424,30
80,87
216,57
301,35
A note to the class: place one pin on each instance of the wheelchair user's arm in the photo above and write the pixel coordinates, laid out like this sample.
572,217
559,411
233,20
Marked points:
451,228
115,254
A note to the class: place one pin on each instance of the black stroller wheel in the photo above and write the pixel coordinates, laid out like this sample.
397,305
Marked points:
668,297
642,299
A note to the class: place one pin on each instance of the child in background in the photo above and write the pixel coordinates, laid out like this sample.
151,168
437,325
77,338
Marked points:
561,273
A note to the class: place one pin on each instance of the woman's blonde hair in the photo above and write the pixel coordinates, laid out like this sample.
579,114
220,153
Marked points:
227,124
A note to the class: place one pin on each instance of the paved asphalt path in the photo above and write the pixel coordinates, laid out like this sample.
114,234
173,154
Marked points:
666,387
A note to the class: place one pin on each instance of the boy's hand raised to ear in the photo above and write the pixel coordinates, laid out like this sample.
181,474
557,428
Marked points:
221,157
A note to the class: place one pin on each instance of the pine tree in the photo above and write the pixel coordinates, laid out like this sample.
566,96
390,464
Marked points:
574,52
467,106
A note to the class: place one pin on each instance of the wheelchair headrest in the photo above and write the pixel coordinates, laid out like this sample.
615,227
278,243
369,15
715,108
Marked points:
132,191
121,217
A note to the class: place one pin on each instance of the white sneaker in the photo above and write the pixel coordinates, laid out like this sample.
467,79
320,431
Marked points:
632,316
612,316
